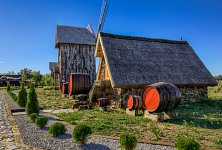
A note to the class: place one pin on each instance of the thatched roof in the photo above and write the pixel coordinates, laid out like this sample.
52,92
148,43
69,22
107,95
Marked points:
53,65
139,61
73,35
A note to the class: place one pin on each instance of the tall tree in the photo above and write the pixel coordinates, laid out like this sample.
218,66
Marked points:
36,76
26,74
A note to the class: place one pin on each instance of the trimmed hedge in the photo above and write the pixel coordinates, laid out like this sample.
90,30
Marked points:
13,96
57,129
128,142
81,132
33,116
41,121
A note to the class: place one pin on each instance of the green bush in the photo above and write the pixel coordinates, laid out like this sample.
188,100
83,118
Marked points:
8,87
218,142
32,105
33,116
184,142
128,142
57,129
41,121
80,133
13,96
153,127
22,96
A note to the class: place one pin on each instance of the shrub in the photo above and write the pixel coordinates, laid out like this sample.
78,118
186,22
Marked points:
218,142
13,96
153,127
128,142
32,105
8,87
184,142
41,121
57,129
80,133
33,116
22,96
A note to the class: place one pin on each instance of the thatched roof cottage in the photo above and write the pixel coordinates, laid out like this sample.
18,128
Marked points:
129,63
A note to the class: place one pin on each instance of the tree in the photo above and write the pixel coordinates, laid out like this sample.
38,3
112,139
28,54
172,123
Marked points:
47,80
32,105
8,86
36,76
22,96
26,74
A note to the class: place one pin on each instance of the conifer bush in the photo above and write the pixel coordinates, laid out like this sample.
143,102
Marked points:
81,132
32,105
57,129
22,96
41,121
8,87
33,116
128,142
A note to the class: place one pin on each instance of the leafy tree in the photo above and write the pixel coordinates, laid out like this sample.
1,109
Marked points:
26,74
32,105
36,76
22,96
46,80
218,77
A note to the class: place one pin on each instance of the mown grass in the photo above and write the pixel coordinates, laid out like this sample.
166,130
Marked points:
112,123
52,99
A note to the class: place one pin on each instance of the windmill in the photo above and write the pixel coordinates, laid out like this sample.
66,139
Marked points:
102,16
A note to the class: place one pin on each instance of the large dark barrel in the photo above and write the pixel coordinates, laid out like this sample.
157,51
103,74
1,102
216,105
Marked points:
134,102
65,89
102,102
79,83
160,97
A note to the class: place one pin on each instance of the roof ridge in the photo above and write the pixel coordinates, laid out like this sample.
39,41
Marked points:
70,26
142,38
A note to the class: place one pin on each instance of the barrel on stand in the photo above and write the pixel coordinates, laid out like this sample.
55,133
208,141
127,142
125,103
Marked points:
65,89
161,97
79,83
134,102
103,102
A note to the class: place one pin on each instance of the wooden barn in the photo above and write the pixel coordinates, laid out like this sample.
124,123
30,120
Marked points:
127,64
14,80
76,52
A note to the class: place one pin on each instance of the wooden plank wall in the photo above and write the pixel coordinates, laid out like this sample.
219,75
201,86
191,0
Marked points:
76,58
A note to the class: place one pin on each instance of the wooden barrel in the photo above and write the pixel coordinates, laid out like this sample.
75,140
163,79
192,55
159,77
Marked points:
160,97
134,102
79,83
65,88
102,102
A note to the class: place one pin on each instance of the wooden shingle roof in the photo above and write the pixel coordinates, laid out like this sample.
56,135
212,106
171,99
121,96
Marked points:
73,35
139,61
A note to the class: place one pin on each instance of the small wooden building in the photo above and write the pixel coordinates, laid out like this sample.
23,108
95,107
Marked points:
54,69
14,80
76,52
128,64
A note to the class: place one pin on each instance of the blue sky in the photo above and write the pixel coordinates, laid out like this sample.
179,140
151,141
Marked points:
27,27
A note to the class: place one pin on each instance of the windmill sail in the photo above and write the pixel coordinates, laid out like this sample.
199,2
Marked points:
102,15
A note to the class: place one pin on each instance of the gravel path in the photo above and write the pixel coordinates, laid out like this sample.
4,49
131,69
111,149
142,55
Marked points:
7,139
37,137
12,104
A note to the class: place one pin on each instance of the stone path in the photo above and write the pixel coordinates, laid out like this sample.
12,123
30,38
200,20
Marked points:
7,138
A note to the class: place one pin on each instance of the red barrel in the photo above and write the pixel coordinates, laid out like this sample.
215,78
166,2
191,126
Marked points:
79,83
102,102
65,89
134,102
160,97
